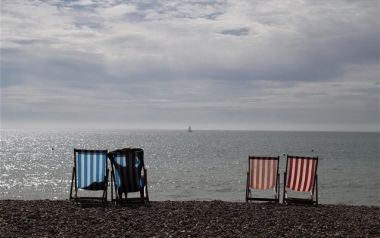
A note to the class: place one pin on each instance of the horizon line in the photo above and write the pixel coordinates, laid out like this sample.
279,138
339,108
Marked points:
181,129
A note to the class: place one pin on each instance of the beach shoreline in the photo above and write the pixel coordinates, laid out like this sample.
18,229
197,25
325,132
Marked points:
62,218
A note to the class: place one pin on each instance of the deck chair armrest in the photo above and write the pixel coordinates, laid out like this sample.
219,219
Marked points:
144,173
107,177
144,177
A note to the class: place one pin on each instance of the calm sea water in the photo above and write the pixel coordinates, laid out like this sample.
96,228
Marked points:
203,165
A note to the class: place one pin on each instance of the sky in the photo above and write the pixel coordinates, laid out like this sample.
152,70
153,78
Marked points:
211,64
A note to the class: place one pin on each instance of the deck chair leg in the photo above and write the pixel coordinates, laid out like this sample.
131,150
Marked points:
76,186
142,198
278,188
104,198
119,196
112,186
72,181
283,193
146,194
246,188
142,195
105,193
316,189
146,187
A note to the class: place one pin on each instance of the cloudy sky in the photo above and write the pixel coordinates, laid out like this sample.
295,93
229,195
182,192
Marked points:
215,64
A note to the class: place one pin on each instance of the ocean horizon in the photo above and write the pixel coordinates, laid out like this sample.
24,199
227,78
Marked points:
201,165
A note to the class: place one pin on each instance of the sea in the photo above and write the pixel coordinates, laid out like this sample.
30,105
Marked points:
198,165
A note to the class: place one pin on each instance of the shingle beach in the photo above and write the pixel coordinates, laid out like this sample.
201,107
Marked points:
45,218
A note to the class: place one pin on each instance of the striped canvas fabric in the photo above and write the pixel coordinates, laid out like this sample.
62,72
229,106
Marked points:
91,168
301,173
127,166
263,172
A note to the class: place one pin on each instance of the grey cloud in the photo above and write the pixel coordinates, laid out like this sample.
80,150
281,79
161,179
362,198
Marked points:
19,67
213,16
76,5
135,17
89,24
28,41
181,9
148,5
236,32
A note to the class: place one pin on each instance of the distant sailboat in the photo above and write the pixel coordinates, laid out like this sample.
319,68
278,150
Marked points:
189,129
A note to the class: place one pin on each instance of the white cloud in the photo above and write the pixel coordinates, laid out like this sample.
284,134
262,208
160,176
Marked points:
154,56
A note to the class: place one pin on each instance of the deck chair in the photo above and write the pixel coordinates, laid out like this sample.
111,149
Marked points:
128,175
262,175
90,173
301,177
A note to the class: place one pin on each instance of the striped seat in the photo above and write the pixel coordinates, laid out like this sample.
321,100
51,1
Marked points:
90,172
301,176
128,173
262,175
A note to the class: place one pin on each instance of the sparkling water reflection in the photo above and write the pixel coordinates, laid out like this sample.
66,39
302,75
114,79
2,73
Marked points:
202,165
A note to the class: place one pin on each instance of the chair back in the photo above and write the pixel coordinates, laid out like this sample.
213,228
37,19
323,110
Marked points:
263,172
301,173
91,166
127,165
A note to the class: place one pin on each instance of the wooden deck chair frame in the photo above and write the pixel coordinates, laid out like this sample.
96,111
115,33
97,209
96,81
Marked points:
74,181
144,195
250,175
313,185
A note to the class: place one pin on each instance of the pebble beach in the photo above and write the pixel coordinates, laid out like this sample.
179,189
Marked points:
46,218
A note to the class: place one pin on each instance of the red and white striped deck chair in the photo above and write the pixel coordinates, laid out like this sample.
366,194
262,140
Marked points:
301,176
262,175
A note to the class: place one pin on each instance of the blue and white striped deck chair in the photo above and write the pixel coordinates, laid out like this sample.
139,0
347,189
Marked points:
128,174
90,172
